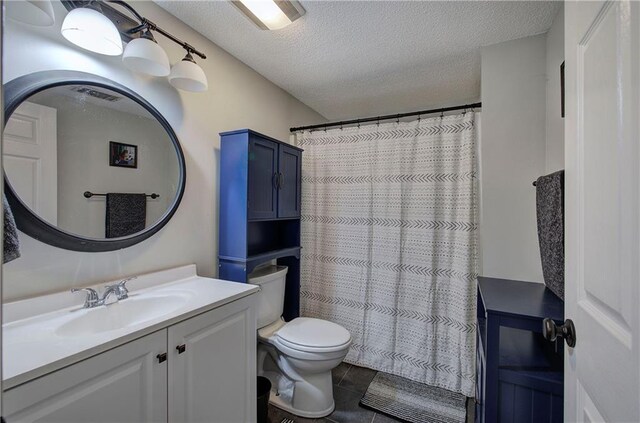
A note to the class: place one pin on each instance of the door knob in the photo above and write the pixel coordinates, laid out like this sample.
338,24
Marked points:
551,331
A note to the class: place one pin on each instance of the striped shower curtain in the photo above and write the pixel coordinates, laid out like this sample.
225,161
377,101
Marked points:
389,244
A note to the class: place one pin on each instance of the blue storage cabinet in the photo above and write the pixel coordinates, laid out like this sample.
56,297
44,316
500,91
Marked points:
519,373
260,194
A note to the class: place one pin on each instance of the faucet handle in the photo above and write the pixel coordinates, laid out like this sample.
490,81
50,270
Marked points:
122,291
92,298
124,281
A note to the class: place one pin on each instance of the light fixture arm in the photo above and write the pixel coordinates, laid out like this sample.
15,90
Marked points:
147,24
191,49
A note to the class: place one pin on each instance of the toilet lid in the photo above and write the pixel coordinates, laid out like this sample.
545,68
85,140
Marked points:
316,333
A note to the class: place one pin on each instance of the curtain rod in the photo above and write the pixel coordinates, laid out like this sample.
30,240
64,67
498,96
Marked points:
386,117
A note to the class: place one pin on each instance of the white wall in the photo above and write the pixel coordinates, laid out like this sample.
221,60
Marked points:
238,97
554,120
512,151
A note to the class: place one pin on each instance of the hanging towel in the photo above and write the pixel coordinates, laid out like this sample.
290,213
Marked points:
550,210
126,214
11,249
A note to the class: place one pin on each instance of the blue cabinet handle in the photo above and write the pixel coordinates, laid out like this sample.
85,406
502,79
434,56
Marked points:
276,180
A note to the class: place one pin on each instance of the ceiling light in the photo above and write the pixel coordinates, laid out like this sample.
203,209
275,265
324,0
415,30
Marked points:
32,12
270,14
187,75
93,31
144,55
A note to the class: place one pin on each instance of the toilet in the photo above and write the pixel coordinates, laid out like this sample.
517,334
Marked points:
296,356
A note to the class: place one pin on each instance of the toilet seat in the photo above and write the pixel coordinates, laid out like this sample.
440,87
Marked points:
306,335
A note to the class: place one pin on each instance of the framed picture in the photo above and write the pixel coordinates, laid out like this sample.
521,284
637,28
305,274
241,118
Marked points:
123,155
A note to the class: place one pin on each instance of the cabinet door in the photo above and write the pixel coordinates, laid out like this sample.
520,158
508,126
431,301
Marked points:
290,167
262,201
125,384
212,366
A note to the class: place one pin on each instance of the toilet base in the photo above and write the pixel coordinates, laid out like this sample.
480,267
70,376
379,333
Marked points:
277,401
309,395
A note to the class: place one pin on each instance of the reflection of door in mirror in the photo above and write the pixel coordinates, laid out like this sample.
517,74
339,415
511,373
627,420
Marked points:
30,153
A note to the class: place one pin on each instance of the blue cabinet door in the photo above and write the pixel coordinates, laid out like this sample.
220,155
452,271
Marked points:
263,172
290,167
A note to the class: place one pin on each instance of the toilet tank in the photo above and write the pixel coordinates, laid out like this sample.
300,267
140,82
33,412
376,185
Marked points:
271,280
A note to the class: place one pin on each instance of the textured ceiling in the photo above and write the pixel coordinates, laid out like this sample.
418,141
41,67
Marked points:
350,59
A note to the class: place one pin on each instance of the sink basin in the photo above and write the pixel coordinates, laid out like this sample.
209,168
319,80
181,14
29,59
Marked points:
122,314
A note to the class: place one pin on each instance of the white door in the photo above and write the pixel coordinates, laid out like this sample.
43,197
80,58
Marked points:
602,296
212,366
127,384
31,159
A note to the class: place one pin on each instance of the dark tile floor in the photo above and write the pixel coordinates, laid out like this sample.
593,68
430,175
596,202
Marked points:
349,385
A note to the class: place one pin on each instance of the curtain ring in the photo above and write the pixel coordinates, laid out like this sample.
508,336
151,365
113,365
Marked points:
419,118
341,126
378,121
358,124
464,112
442,114
397,119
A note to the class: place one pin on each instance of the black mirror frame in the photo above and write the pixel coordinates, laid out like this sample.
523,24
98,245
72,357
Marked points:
19,90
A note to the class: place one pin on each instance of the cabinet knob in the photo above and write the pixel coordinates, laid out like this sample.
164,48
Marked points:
161,357
181,348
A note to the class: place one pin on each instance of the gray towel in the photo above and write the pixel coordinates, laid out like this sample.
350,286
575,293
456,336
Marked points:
126,214
550,210
11,248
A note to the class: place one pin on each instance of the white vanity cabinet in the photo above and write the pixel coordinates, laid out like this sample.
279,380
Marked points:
212,367
124,384
207,375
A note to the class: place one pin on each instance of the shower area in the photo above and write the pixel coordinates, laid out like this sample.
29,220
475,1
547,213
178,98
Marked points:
389,241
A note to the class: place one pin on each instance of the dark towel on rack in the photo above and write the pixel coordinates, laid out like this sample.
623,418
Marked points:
11,248
550,210
126,214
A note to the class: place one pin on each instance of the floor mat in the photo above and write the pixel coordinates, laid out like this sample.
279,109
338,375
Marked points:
414,402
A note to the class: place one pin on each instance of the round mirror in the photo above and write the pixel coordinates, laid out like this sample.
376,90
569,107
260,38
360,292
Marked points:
89,165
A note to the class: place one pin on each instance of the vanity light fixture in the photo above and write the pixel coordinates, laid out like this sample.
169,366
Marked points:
270,14
187,75
96,26
144,55
91,30
32,12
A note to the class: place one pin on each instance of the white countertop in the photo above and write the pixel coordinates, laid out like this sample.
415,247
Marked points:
32,343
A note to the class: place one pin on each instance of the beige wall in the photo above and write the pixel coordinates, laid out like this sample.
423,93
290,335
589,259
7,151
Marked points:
512,153
522,137
554,120
238,97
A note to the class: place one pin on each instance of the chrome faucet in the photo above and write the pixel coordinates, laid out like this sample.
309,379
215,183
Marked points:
94,300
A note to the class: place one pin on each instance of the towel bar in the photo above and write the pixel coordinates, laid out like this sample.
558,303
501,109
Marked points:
89,194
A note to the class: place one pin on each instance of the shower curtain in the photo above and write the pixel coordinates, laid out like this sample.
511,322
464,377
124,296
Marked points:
389,244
